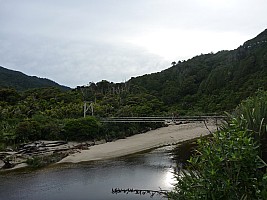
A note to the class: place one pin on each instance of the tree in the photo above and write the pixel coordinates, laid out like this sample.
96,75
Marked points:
28,130
82,129
9,95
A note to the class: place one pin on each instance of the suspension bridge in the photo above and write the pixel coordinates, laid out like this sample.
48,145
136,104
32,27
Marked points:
166,120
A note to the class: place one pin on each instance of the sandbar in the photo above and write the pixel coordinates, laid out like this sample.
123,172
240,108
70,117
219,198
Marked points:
169,135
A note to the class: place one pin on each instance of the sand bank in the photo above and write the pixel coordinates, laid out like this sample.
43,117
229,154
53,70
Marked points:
172,134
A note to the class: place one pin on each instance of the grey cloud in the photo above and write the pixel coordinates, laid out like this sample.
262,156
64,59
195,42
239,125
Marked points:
72,63
75,42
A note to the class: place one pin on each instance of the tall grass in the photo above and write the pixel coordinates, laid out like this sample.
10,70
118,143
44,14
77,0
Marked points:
251,115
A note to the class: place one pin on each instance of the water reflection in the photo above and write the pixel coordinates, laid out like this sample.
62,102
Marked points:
152,170
182,152
169,180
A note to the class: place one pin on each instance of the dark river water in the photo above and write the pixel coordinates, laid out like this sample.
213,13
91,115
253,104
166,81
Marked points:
151,170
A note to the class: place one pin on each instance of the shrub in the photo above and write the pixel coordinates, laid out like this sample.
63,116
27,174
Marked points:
42,161
28,130
251,115
82,129
50,128
225,166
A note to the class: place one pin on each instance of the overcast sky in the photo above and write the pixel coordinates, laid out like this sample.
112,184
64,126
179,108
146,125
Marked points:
74,42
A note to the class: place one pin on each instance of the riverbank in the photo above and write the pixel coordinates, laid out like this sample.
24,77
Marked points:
42,153
171,134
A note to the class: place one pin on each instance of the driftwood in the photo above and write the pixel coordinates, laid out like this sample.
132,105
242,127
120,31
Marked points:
42,148
100,142
42,144
5,154
38,148
55,144
139,192
80,146
7,164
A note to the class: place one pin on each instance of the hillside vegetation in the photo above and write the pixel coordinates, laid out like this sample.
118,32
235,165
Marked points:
211,83
19,81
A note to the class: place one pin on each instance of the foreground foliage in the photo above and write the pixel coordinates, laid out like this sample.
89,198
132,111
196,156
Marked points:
225,167
229,165
251,114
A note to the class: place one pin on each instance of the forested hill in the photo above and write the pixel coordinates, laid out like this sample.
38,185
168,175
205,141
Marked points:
21,81
211,82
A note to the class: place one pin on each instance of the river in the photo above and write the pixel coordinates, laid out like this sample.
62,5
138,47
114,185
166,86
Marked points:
151,170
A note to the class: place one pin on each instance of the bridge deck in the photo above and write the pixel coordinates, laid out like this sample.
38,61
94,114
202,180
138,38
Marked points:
160,119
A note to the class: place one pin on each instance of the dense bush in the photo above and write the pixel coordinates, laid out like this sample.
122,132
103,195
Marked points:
229,165
225,167
251,114
28,130
37,128
122,130
7,132
49,128
82,129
